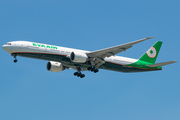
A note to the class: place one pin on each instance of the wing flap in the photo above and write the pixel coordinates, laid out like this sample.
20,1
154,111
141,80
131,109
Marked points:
161,64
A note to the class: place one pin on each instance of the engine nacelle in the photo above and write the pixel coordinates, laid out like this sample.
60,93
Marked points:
54,66
78,57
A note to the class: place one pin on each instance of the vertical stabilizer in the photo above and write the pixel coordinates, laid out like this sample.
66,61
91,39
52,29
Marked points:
151,55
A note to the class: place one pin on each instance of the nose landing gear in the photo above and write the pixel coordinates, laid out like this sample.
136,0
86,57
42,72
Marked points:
15,60
14,55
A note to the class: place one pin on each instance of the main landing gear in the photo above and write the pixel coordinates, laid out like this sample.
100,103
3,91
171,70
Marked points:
79,74
14,55
79,69
92,69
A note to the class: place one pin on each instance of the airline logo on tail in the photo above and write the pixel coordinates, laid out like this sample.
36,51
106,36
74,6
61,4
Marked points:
151,52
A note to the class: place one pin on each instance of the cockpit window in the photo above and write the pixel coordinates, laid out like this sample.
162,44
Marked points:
8,43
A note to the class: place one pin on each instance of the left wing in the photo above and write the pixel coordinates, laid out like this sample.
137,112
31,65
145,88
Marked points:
114,50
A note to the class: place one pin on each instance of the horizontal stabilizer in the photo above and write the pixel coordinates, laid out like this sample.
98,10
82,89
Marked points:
161,64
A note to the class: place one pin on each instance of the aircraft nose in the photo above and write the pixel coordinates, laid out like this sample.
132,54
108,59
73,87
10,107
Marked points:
4,47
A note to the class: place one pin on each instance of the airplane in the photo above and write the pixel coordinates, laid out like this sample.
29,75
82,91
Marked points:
61,58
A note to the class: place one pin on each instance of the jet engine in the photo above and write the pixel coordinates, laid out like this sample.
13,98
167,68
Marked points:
78,57
55,66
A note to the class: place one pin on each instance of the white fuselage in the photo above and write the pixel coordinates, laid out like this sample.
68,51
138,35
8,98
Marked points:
28,47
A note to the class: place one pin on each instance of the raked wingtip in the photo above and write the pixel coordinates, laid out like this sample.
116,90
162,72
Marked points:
149,37
174,61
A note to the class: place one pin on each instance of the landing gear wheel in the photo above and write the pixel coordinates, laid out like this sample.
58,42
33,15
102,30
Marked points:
89,68
75,74
92,69
82,75
79,74
14,55
15,60
96,70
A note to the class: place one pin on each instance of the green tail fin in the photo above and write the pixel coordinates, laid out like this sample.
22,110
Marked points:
151,55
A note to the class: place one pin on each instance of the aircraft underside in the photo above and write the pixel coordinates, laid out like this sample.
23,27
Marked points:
67,62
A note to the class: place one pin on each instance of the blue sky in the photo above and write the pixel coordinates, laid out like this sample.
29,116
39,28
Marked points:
29,92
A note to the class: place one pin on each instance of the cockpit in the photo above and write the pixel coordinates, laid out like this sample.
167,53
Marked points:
8,47
8,43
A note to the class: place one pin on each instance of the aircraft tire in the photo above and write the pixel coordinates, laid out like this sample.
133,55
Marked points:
15,60
75,74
